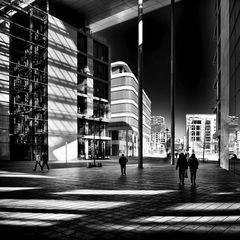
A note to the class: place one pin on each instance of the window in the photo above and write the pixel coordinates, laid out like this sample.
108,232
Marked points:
196,121
100,89
114,135
207,146
100,70
100,51
82,105
82,126
82,42
82,84
100,109
82,63
119,69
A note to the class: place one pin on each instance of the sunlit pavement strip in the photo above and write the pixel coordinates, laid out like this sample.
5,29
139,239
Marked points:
217,206
7,174
11,189
173,222
113,192
59,204
35,219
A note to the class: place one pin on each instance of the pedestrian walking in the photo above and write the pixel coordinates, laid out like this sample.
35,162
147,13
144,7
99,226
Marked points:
37,161
182,165
123,161
45,161
193,165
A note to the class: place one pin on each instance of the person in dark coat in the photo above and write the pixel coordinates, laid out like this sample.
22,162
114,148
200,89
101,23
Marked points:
123,161
182,165
193,165
45,160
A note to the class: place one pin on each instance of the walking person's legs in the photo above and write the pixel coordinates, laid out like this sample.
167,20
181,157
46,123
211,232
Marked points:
43,166
194,177
35,167
183,176
124,169
47,165
180,176
191,172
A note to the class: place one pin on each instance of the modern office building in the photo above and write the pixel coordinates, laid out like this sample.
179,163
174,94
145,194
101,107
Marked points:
158,124
199,135
54,83
123,127
158,135
227,84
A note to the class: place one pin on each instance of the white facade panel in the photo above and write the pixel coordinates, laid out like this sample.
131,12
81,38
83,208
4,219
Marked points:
62,91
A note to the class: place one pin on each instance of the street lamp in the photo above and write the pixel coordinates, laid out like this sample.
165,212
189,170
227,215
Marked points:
100,151
93,156
166,140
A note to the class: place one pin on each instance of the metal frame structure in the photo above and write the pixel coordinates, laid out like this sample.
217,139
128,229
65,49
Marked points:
26,29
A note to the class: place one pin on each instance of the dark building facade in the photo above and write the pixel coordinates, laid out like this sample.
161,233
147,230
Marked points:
227,84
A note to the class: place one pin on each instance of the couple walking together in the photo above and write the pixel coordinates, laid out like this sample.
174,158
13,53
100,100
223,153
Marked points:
38,160
183,164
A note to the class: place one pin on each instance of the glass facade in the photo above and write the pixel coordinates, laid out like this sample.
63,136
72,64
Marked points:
28,83
93,97
234,101
55,84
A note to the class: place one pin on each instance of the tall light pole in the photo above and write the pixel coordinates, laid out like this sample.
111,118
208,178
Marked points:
140,80
94,164
172,82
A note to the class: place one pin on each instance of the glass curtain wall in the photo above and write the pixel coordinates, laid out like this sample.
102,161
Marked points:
28,81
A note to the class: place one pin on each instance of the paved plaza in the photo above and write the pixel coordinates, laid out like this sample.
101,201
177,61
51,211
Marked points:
75,202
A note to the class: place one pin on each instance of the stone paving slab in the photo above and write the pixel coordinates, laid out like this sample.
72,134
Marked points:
99,203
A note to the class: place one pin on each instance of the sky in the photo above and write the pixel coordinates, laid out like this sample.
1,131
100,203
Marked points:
195,48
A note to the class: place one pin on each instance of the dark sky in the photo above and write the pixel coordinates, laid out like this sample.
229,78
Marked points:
195,49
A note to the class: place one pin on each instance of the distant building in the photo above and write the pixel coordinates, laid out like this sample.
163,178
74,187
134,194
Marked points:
123,126
158,124
158,135
199,135
179,145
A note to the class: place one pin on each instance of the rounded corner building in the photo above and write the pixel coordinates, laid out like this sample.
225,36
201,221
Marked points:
123,126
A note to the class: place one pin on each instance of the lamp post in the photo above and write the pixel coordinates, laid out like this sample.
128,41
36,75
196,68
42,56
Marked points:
100,151
140,83
166,141
172,81
93,156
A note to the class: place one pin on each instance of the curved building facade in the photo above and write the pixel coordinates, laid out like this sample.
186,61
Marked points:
123,125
